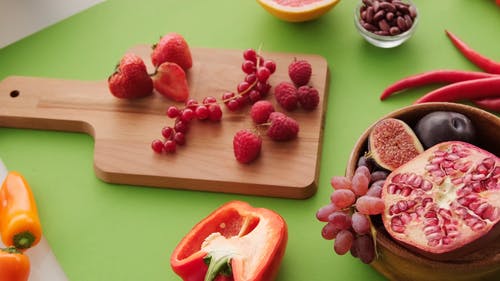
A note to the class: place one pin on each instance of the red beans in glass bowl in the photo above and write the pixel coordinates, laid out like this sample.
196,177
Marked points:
386,23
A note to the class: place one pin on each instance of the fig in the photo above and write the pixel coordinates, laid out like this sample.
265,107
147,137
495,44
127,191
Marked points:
445,201
441,126
392,143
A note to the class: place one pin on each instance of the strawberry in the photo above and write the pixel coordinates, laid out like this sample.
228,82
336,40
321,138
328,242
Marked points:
170,81
172,48
130,79
246,146
286,95
300,72
283,127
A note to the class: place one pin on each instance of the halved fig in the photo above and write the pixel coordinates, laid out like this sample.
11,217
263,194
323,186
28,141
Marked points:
444,200
392,143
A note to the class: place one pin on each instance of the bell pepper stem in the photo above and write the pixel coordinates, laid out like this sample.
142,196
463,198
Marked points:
24,240
217,266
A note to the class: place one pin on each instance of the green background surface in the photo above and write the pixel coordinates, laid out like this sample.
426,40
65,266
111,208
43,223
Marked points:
101,231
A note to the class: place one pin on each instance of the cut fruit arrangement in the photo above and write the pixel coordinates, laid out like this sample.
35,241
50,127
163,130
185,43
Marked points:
436,192
172,59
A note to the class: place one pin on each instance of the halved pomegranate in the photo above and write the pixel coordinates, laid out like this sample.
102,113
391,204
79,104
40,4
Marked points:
445,198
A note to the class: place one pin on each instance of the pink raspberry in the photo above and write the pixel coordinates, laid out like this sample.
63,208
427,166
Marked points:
308,97
282,127
261,110
300,72
286,95
246,146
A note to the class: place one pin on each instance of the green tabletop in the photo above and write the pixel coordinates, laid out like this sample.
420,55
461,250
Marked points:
102,231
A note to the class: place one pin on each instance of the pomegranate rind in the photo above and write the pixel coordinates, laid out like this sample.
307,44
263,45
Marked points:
393,143
444,199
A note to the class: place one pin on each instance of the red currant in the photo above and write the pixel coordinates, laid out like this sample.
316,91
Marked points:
208,100
166,132
227,96
180,138
201,112
173,111
233,105
250,78
157,146
271,65
170,146
250,54
181,126
191,103
215,112
263,74
243,86
248,66
187,115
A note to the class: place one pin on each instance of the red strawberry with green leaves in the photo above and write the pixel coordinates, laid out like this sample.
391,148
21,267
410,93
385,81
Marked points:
172,48
170,81
130,79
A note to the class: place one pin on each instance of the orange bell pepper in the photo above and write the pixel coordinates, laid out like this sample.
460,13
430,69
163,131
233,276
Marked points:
236,242
14,266
19,222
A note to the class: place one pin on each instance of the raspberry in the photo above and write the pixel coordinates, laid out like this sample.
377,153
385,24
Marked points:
286,95
261,110
246,146
300,72
282,127
308,97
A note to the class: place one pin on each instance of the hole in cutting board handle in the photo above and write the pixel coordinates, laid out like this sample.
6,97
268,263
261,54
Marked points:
14,94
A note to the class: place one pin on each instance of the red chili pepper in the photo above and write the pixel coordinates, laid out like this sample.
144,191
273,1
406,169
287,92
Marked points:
478,59
491,104
431,77
236,242
466,90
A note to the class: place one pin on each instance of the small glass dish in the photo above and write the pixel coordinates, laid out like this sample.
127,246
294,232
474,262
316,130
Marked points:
385,41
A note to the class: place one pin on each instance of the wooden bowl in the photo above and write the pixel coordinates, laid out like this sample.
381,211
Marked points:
396,262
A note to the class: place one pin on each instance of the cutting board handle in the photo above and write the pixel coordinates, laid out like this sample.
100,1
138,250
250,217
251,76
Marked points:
65,105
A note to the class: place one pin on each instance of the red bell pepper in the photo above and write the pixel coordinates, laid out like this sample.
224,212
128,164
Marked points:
236,242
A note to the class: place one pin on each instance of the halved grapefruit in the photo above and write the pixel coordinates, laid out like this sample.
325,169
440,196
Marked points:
298,10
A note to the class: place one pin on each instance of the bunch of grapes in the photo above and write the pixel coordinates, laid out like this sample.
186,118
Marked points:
255,86
347,215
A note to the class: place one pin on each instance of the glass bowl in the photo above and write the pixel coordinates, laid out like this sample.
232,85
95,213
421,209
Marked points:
387,41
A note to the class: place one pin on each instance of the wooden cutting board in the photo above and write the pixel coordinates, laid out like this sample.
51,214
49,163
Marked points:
124,129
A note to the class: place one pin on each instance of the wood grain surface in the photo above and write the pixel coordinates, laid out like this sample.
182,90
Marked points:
123,129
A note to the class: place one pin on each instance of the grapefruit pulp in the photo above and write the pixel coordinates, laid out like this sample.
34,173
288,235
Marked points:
298,10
